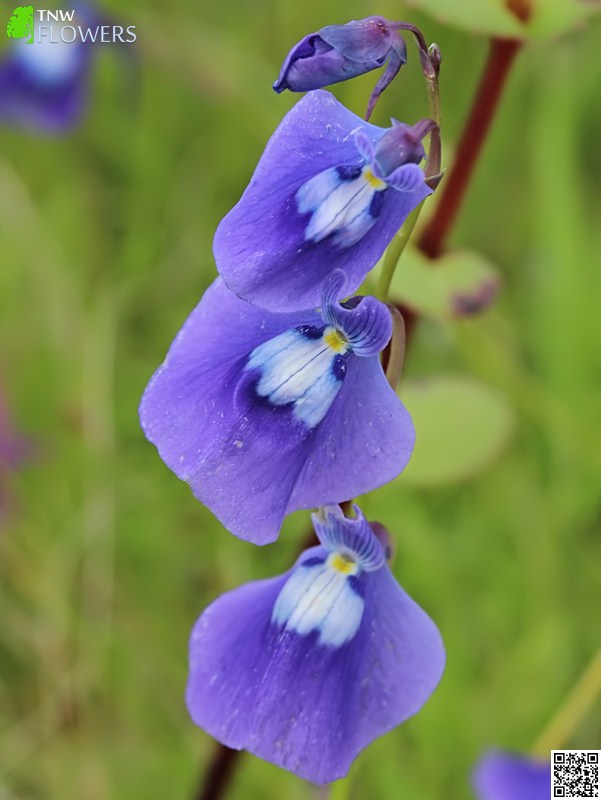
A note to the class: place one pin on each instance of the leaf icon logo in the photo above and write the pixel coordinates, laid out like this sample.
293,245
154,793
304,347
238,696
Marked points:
20,25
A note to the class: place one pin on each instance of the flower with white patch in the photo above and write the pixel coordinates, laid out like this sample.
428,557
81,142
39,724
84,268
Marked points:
306,669
45,83
44,86
330,191
263,414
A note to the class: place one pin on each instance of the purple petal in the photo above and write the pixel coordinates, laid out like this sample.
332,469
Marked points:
407,178
332,293
364,147
260,246
397,57
349,535
312,64
304,703
502,776
194,410
364,442
367,40
365,321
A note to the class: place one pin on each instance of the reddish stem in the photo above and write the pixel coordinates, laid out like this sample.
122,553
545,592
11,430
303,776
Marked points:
219,775
500,58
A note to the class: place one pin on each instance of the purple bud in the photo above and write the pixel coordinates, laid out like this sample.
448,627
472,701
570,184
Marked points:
435,56
338,52
402,144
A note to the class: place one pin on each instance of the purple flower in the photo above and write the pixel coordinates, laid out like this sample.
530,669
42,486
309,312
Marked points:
339,52
329,191
44,85
306,669
14,450
263,414
502,776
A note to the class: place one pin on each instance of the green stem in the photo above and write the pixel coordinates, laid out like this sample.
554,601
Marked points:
572,711
393,253
340,790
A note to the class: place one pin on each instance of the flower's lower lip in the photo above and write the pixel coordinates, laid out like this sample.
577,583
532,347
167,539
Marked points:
303,369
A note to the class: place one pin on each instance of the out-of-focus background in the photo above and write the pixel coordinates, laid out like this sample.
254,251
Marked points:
106,559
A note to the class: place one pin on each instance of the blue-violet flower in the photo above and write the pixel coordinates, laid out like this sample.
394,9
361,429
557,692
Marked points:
14,450
44,85
263,413
330,191
339,52
306,669
504,776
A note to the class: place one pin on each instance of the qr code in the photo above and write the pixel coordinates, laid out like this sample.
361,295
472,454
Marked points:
575,773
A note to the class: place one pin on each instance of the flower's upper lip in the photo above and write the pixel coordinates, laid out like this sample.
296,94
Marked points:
349,535
367,325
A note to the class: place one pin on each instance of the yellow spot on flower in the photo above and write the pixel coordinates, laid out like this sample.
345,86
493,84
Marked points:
336,340
374,182
342,564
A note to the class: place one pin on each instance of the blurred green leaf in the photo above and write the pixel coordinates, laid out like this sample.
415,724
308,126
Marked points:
520,19
461,426
490,17
458,284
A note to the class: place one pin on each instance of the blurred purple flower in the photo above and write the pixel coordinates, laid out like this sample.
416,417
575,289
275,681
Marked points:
329,191
44,86
466,304
306,669
339,52
14,450
263,414
504,776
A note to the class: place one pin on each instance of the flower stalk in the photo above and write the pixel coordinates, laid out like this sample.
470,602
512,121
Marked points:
572,711
486,101
430,58
396,355
220,773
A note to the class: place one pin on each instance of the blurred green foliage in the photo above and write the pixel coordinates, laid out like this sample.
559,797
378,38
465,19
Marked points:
461,425
107,560
520,19
462,284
